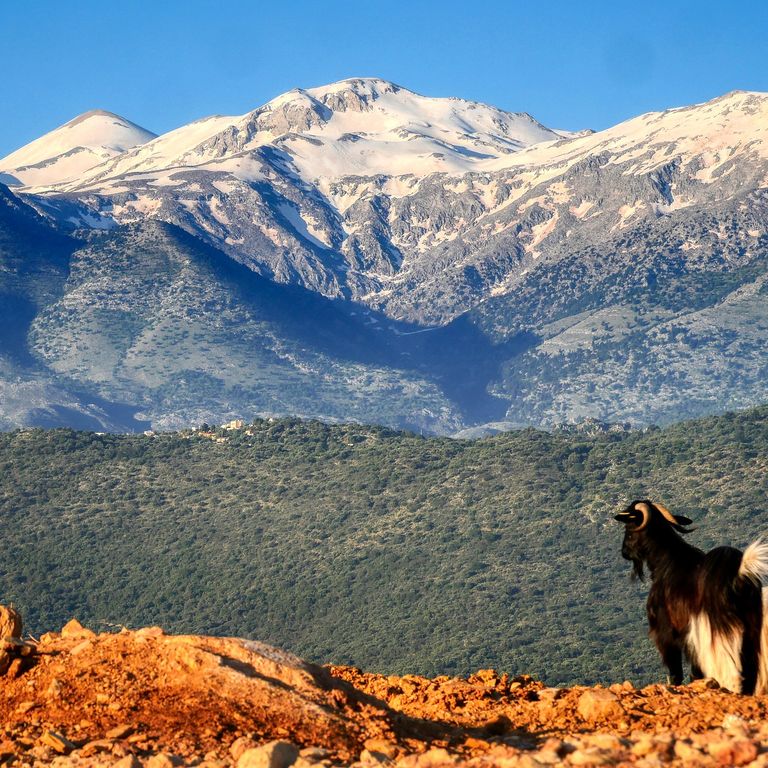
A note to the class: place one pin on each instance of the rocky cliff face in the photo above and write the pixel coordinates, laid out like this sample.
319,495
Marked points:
133,698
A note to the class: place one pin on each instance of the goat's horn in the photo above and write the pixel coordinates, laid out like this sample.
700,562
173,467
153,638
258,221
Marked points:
646,510
666,514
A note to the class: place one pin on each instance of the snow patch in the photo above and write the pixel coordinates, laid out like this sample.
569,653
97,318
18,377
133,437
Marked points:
581,210
539,233
293,216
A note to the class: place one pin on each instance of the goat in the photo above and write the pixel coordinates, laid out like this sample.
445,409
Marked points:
709,607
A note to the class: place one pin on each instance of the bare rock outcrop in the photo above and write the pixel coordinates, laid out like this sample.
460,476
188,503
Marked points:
10,622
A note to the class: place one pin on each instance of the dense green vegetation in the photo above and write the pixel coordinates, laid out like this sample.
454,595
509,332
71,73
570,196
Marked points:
363,545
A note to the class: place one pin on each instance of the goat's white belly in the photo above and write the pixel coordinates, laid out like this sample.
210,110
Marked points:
718,655
762,667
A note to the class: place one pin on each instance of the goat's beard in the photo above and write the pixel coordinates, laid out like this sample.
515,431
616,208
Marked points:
637,570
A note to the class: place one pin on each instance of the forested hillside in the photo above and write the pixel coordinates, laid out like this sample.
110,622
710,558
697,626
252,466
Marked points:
362,545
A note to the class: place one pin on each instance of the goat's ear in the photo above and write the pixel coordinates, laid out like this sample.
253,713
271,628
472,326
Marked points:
627,516
683,520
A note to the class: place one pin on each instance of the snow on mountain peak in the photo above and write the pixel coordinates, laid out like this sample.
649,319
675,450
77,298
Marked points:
354,127
362,86
710,135
295,110
96,113
68,151
356,93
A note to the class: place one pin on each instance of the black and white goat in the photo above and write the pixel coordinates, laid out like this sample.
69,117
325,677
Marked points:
709,607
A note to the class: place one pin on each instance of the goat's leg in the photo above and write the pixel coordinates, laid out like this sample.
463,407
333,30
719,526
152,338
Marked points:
750,655
672,656
696,673
669,648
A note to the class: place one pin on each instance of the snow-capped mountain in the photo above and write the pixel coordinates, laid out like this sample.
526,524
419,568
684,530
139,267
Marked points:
551,200
68,152
285,189
418,206
537,268
357,127
709,133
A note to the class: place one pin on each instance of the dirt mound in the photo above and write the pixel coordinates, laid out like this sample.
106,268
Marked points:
184,695
146,698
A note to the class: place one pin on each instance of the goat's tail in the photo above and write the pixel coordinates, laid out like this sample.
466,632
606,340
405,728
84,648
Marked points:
754,562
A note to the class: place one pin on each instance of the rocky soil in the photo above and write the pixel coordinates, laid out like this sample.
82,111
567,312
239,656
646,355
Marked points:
144,698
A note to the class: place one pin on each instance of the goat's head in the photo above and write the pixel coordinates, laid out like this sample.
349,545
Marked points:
645,522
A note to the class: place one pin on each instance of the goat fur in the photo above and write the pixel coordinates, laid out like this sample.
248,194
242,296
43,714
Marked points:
709,607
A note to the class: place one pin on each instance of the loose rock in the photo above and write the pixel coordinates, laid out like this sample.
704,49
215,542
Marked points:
276,754
73,628
120,731
599,704
163,760
57,742
240,745
733,752
129,761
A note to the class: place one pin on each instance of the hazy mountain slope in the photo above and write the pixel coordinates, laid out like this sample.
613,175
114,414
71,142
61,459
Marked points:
646,330
34,266
360,545
152,317
68,152
147,325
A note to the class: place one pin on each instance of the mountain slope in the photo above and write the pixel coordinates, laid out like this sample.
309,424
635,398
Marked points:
529,278
34,265
147,325
66,153
151,316
481,234
642,328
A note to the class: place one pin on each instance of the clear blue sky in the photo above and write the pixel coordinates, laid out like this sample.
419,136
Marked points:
570,64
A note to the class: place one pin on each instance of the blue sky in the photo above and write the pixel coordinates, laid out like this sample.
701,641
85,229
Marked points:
570,64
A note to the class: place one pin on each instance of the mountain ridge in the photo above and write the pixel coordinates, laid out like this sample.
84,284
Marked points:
308,111
603,256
